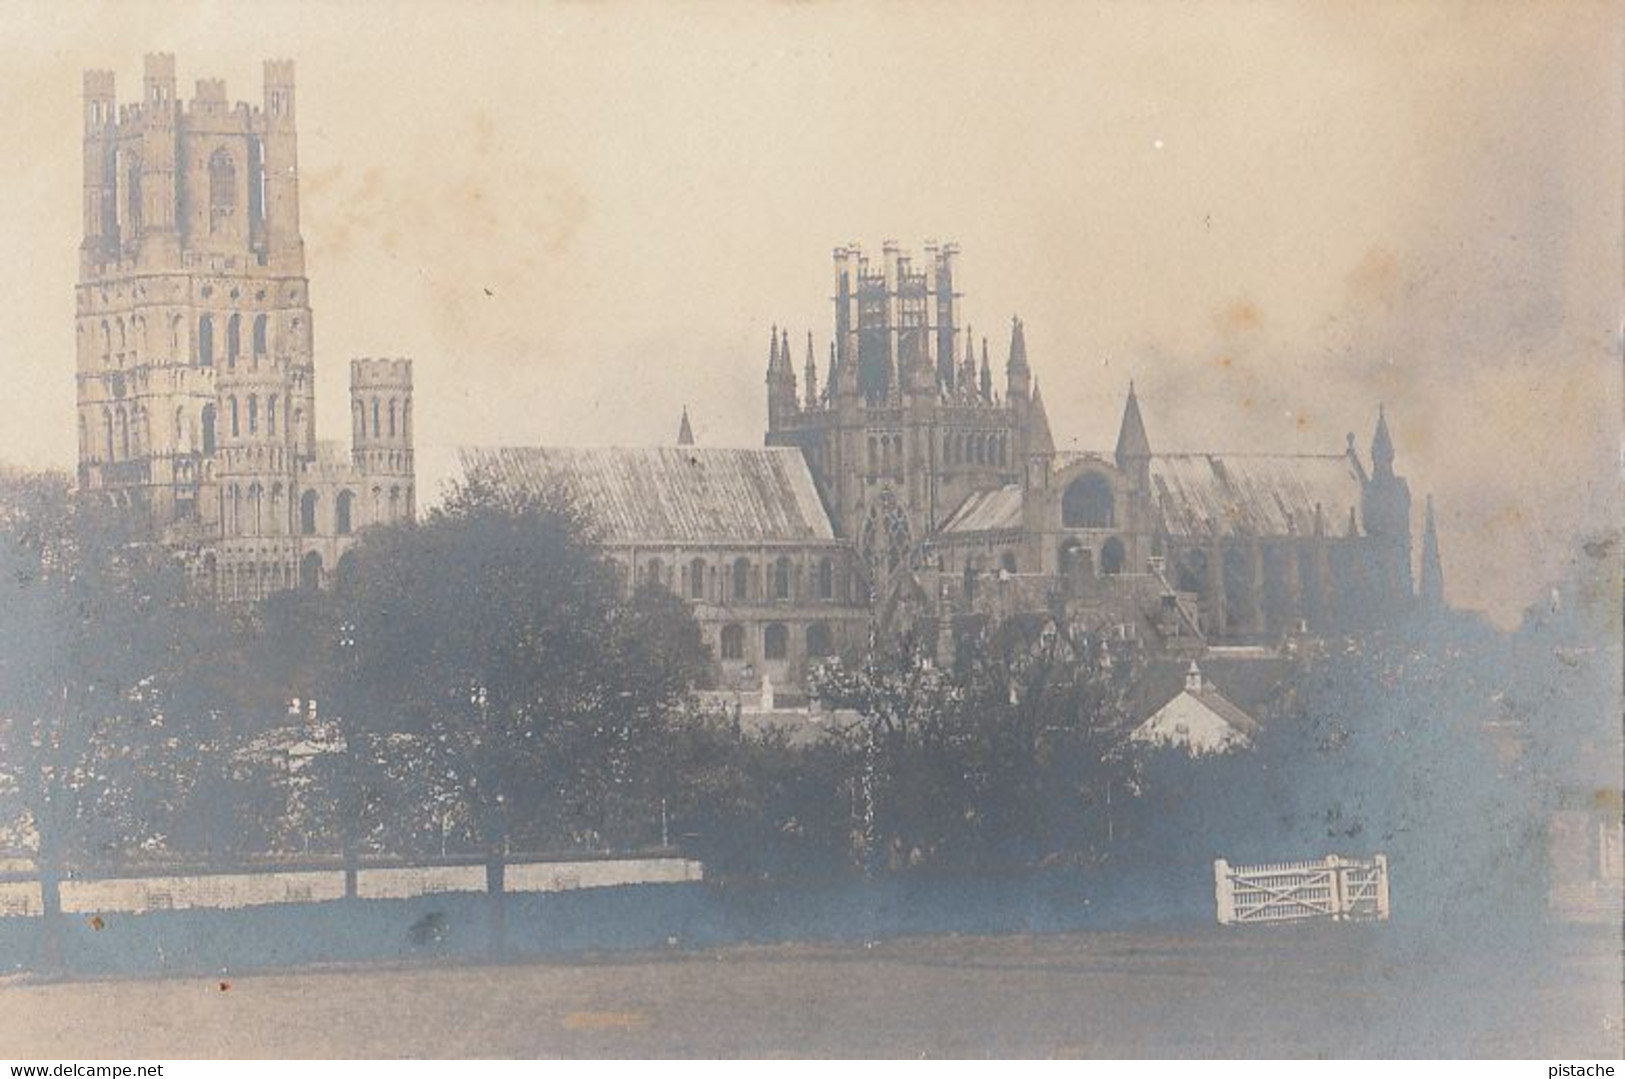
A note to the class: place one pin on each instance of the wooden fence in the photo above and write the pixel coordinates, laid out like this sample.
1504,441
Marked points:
1339,889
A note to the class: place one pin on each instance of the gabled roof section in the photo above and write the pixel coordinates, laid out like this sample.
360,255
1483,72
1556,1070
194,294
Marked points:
1198,720
997,510
673,494
1201,495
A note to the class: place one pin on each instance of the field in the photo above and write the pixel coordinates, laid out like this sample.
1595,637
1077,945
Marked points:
1295,992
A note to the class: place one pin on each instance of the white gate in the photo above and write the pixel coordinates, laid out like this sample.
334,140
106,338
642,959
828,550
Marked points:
1342,889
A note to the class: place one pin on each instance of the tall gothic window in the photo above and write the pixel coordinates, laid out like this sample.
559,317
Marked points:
222,189
1087,503
205,341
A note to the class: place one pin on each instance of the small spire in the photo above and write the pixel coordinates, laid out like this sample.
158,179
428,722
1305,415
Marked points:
685,433
987,374
1039,439
1382,447
1432,588
1193,678
1132,443
1018,346
811,387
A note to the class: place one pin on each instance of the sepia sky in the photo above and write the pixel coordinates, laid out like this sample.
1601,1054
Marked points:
578,217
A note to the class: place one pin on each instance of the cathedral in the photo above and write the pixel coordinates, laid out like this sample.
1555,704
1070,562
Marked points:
196,378
906,490
905,487
949,488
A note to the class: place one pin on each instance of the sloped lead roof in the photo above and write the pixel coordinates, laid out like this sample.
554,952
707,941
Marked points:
996,510
1201,495
673,494
1241,495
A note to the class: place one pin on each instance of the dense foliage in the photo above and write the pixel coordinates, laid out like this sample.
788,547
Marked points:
479,682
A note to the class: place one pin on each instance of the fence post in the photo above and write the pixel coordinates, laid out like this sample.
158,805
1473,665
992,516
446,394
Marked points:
1340,901
1223,892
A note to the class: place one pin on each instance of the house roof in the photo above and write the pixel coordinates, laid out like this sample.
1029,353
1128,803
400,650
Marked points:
1201,495
673,494
1198,720
987,511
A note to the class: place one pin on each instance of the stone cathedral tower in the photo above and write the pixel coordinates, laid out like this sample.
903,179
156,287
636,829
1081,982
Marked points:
196,377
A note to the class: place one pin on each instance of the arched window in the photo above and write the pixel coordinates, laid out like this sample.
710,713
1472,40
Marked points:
376,429
741,579
307,513
236,428
1088,503
270,414
696,579
781,579
132,188
205,341
392,417
310,571
342,510
775,642
394,503
222,189
360,422
1111,556
175,325
1075,558
123,434
253,414
256,514
733,642
874,453
1007,561
655,572
406,420
820,643
259,335
826,579
234,339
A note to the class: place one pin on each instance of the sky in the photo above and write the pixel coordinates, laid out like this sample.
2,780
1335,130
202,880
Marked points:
577,218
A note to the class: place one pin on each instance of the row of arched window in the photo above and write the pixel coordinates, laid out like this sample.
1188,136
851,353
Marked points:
246,418
123,342
976,448
390,417
252,511
258,344
248,581
127,433
885,454
819,639
697,579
